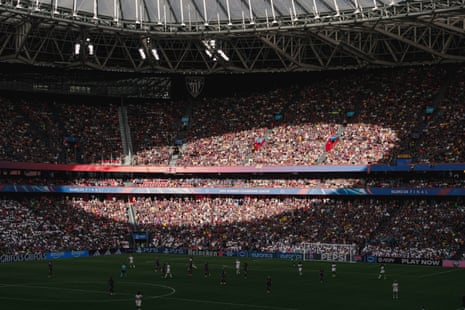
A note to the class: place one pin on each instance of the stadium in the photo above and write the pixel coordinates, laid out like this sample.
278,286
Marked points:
231,153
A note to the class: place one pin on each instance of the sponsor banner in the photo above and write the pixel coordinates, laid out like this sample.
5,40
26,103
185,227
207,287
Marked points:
331,257
234,191
388,260
140,236
409,261
260,255
232,253
22,258
447,263
162,251
243,254
66,254
370,259
202,253
296,256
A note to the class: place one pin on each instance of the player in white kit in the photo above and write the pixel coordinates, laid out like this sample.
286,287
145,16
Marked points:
395,290
138,300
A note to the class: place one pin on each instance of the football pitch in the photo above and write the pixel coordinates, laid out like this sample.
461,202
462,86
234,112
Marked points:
82,283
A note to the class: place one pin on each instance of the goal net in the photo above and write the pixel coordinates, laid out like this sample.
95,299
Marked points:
327,252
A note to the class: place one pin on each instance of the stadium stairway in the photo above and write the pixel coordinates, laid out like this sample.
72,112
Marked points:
125,131
340,134
132,216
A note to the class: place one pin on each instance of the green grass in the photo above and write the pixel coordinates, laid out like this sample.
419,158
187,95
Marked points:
82,284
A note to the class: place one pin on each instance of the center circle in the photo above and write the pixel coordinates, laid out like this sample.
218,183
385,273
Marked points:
115,298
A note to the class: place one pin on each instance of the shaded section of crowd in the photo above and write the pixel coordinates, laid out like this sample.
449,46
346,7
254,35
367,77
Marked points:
405,228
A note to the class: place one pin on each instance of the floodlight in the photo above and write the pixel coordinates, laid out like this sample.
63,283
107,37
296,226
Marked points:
223,55
142,53
91,49
155,54
204,42
77,49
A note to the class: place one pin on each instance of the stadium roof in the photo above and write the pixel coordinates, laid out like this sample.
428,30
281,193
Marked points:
199,11
208,36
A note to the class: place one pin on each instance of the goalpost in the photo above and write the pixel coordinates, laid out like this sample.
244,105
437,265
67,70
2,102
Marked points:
332,252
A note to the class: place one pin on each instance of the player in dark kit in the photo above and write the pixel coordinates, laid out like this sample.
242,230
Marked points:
322,275
245,270
50,269
190,266
111,285
163,270
206,270
268,284
157,265
223,277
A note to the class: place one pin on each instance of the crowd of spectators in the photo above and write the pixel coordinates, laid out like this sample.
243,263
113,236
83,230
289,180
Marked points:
27,132
46,224
370,114
223,130
46,131
391,107
93,132
407,228
154,128
443,137
420,229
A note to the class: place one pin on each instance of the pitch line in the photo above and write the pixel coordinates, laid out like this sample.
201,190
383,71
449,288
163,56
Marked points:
436,273
228,303
116,299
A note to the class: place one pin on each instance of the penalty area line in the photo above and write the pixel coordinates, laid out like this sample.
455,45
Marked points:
228,303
